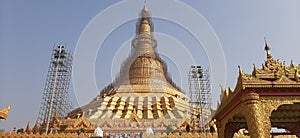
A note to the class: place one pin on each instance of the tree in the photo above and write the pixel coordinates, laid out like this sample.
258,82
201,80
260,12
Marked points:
187,128
169,129
82,130
21,130
63,128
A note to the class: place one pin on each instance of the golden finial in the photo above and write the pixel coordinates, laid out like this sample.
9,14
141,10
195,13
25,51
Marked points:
267,48
145,6
221,87
292,63
241,72
6,109
254,70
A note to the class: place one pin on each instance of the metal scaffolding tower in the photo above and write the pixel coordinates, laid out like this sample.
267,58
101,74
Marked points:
55,96
199,88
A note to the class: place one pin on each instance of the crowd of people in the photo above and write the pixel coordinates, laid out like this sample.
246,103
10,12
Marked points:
98,133
131,135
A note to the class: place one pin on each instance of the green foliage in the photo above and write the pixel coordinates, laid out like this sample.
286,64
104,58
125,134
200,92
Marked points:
21,130
169,129
82,130
187,128
62,128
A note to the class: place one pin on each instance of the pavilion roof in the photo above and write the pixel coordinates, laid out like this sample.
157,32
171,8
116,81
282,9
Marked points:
272,75
4,112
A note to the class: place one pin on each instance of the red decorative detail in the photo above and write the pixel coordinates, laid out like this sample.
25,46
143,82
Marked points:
230,109
279,93
250,91
252,102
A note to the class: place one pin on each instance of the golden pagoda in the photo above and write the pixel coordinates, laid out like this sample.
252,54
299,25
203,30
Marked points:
143,95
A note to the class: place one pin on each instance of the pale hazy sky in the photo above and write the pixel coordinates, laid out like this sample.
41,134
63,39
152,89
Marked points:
29,29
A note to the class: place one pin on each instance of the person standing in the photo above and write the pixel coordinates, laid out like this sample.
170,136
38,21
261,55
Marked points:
78,132
98,132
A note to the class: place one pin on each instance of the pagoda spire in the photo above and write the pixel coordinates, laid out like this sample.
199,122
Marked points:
144,24
146,66
267,48
144,43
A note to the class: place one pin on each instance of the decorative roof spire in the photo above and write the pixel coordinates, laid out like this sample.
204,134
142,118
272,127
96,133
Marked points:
144,43
28,129
145,21
36,127
241,72
44,121
4,112
145,6
267,48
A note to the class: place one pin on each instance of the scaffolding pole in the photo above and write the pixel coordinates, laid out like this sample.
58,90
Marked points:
55,96
199,89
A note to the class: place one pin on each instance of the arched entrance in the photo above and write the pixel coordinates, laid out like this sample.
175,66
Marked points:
287,116
234,125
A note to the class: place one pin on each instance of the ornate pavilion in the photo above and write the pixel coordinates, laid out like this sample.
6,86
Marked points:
142,96
269,97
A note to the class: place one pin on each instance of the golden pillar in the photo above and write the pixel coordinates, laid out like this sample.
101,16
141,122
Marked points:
257,122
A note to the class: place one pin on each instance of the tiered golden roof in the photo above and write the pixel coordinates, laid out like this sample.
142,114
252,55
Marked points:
272,74
4,112
143,90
